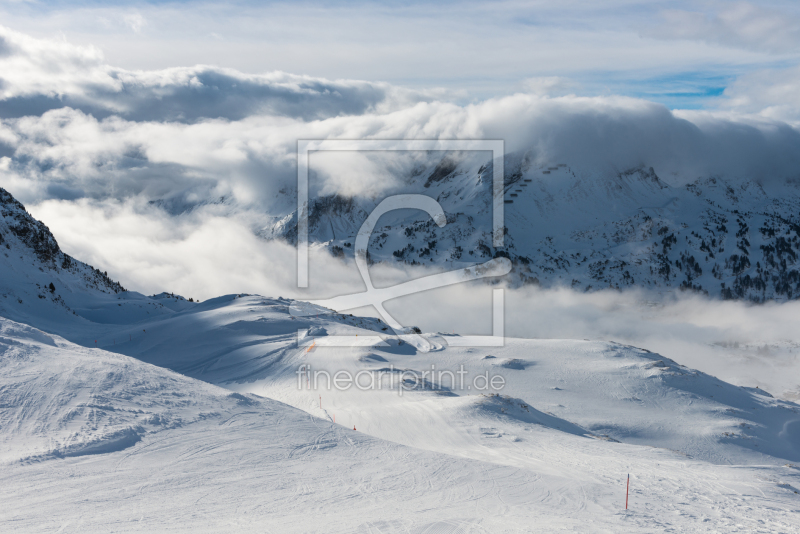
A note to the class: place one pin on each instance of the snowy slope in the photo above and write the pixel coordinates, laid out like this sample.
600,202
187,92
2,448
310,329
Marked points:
60,400
585,228
249,344
104,442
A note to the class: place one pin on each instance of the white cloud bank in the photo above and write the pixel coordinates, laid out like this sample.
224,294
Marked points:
87,146
40,74
76,127
203,255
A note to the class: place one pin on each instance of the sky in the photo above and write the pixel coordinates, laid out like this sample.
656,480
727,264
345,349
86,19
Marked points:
682,54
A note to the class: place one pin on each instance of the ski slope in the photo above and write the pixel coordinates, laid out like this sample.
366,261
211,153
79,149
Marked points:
98,442
550,452
250,344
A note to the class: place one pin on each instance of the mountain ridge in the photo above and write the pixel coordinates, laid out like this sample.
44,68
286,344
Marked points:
585,229
43,285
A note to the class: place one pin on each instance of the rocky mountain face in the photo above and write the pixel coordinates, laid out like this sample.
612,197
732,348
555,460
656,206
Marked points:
42,285
22,235
586,229
38,281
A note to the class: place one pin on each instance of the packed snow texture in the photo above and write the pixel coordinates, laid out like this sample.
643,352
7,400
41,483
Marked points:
108,441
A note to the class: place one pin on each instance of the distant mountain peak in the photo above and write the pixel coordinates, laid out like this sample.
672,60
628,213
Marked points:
588,229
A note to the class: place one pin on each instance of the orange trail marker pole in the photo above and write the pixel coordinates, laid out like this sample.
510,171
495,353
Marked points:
626,490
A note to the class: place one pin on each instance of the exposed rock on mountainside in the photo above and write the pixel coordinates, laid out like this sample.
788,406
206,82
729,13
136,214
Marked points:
587,229
21,233
41,284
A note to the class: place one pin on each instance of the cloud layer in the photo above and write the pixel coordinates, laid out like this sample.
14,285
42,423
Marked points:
485,49
161,175
42,75
67,153
74,126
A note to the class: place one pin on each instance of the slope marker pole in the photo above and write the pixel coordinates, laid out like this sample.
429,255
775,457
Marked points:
627,487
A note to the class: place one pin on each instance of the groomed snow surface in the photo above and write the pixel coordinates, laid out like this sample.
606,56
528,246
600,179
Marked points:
197,420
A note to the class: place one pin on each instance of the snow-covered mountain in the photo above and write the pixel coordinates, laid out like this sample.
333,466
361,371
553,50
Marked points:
585,228
42,285
125,412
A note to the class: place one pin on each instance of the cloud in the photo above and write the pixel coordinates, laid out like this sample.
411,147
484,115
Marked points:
5,48
251,160
479,49
135,21
548,86
610,134
35,67
739,24
41,75
202,254
773,94
352,174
